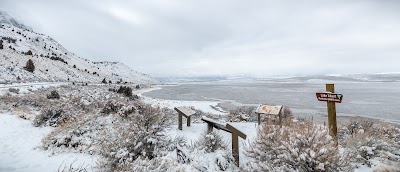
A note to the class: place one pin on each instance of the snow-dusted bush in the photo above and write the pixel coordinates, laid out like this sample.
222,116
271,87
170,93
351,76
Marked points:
242,114
380,142
211,142
111,107
294,146
52,117
213,145
125,111
53,95
14,90
141,137
287,112
354,126
127,91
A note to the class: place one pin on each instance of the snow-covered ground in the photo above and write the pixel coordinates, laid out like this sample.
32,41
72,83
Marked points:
205,106
19,140
25,88
193,133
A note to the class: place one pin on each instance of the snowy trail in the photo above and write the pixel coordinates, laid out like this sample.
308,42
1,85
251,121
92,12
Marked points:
18,153
16,85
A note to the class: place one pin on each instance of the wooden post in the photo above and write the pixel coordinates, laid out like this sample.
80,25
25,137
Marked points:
180,121
209,128
235,148
188,121
332,125
235,142
259,118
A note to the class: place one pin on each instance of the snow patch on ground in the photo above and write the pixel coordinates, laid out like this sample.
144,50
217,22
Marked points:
19,152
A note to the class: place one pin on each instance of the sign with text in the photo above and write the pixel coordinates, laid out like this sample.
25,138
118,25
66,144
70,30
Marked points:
330,97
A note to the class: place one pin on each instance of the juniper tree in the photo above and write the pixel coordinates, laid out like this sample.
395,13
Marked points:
30,67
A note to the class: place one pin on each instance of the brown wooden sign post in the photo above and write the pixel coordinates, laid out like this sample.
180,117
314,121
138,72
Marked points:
184,111
228,128
331,98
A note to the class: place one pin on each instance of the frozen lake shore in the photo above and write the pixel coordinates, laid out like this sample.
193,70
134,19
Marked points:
376,100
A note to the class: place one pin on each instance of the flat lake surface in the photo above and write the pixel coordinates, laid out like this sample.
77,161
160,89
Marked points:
380,100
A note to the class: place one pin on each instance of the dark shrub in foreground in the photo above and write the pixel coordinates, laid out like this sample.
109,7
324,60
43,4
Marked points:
53,95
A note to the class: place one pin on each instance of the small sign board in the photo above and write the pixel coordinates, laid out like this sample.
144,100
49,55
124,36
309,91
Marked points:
269,109
330,97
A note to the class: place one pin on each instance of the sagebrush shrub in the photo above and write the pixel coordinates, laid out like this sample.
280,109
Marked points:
51,117
14,90
295,146
142,137
111,107
53,95
371,142
211,142
242,114
127,91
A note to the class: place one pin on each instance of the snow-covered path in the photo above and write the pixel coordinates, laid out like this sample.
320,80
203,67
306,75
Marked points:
18,153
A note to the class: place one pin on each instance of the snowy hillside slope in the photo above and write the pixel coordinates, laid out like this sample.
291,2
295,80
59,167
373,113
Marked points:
52,61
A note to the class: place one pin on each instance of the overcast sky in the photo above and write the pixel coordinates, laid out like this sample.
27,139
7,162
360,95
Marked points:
224,37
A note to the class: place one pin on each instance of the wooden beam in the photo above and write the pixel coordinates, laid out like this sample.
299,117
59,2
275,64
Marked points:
235,131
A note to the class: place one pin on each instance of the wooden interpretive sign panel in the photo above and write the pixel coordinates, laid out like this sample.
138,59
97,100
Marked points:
269,109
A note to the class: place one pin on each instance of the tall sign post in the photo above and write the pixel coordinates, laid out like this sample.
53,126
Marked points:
331,98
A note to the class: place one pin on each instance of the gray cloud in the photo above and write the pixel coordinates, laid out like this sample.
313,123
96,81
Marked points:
225,37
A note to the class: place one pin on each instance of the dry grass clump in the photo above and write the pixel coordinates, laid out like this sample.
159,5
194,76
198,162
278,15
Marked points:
70,168
295,146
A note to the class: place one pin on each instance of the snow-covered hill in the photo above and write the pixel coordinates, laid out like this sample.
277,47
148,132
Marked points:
52,61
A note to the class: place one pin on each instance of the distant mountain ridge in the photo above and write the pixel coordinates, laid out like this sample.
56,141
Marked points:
53,63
